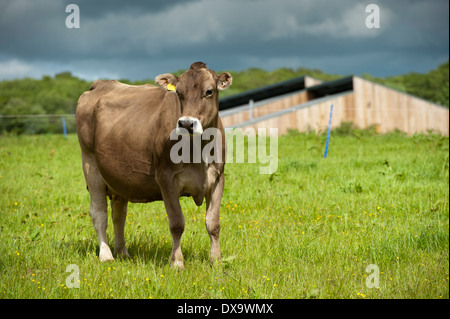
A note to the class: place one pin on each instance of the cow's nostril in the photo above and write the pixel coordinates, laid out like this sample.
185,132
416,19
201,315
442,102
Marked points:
192,125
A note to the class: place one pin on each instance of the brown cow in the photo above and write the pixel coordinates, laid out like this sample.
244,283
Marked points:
124,133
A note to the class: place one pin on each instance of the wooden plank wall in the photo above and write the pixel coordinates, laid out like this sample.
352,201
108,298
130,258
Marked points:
369,104
389,109
312,118
271,107
265,109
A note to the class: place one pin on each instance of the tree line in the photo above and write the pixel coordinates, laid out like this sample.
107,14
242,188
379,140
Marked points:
59,94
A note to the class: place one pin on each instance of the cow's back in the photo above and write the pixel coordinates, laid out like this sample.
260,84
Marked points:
90,100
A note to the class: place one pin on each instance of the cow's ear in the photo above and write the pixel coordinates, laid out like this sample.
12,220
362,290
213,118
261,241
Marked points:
166,81
224,81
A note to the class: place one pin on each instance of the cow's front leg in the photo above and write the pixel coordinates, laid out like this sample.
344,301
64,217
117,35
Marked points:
176,219
213,198
176,226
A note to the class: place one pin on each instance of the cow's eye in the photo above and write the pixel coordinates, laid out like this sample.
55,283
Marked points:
209,93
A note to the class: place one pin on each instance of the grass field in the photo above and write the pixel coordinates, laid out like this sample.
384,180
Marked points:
308,231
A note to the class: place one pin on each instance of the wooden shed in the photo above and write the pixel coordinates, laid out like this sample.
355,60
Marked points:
304,104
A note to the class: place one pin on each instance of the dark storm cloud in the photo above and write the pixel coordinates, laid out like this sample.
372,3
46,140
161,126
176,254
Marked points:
139,39
97,9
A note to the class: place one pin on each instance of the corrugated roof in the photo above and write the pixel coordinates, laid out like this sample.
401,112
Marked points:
293,85
332,87
263,93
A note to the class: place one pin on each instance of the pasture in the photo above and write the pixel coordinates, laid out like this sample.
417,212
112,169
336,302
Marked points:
307,231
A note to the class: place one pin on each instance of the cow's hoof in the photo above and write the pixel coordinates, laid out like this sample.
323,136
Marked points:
107,258
105,253
177,264
215,262
123,254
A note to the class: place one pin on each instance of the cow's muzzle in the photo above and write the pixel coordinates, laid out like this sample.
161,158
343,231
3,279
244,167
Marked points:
189,124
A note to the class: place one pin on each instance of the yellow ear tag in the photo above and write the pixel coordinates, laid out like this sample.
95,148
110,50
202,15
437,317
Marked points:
171,87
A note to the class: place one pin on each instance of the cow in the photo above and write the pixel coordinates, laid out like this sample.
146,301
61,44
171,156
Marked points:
125,135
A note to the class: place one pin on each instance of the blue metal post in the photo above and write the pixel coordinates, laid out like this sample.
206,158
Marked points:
328,133
64,126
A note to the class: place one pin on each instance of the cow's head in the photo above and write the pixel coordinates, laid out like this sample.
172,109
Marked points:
198,91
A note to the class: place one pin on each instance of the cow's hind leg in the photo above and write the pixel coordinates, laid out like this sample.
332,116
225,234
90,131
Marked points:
98,208
119,215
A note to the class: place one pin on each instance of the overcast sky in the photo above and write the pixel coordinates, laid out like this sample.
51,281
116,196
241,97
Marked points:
141,39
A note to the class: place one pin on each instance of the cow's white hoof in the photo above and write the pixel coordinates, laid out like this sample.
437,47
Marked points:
177,264
105,253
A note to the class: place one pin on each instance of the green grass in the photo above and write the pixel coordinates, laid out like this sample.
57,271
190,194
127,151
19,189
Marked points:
308,231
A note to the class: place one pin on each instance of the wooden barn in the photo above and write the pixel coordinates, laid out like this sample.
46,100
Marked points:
304,104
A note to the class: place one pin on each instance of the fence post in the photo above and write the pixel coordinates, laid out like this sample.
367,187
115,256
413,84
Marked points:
250,104
328,133
64,126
